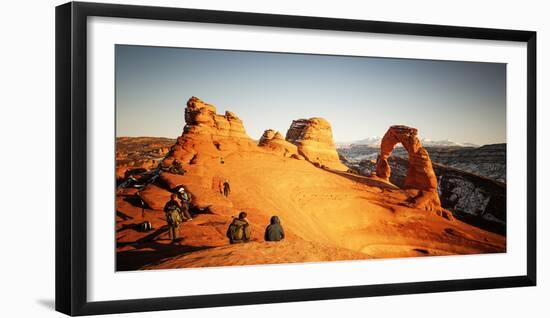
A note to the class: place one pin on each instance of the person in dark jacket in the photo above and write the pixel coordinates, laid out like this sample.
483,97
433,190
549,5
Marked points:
172,211
274,231
172,204
226,188
238,231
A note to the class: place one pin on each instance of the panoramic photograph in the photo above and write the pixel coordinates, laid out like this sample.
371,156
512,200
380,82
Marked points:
228,158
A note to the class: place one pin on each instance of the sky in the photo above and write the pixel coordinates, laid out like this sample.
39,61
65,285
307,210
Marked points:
360,96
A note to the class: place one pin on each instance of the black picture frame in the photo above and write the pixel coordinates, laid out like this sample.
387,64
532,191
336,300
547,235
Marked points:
71,157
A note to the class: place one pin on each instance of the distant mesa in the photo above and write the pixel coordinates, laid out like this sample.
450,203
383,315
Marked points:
313,137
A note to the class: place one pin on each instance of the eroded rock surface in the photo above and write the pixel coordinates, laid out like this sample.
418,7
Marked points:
313,137
373,220
420,173
472,198
201,118
208,135
274,141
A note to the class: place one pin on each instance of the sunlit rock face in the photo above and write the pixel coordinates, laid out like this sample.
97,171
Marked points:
274,141
208,135
420,174
201,118
313,137
327,214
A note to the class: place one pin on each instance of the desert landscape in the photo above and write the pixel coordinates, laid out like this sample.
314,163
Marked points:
394,198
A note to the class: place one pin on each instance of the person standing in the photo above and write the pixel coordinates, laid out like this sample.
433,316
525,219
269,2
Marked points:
226,188
172,211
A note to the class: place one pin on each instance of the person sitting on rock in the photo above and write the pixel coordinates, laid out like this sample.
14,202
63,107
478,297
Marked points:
238,231
172,211
274,231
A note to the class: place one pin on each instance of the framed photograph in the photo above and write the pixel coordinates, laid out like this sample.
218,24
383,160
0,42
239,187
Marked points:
213,158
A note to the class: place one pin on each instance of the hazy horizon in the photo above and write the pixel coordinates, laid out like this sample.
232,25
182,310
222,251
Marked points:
360,96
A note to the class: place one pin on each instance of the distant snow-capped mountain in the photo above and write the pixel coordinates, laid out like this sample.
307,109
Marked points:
445,143
376,140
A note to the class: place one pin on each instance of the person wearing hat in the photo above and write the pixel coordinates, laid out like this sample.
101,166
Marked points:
185,199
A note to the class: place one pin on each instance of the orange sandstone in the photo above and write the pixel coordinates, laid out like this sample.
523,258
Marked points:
327,214
313,137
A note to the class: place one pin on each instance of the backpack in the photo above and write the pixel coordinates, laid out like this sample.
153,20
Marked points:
238,232
173,216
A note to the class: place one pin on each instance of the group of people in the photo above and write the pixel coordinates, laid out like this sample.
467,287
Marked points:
239,230
177,211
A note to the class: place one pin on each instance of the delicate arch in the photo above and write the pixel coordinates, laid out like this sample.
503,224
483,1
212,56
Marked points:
420,174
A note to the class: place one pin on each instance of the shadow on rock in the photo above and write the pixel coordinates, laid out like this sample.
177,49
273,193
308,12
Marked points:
151,253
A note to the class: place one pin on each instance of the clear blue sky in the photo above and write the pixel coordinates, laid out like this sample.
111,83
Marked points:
360,96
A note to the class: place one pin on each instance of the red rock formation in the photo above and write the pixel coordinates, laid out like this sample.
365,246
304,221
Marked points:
207,134
208,139
201,118
275,142
371,221
313,137
420,174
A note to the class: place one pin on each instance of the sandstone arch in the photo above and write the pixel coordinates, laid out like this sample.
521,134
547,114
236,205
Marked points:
420,174
421,180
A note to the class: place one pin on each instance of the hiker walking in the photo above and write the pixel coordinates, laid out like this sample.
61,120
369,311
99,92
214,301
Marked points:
172,212
274,231
238,231
226,188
